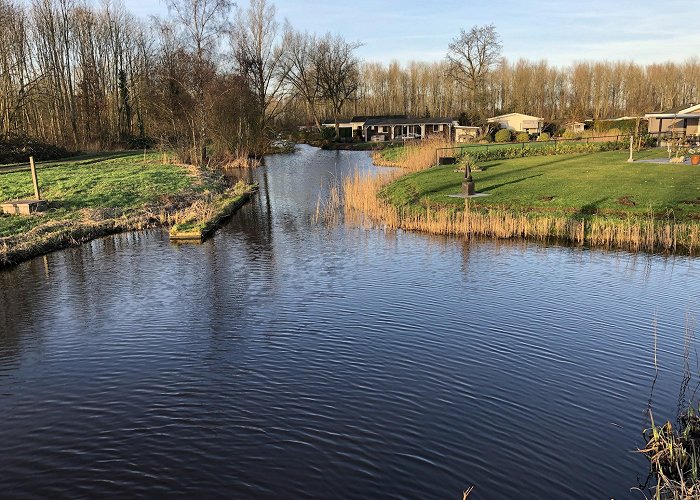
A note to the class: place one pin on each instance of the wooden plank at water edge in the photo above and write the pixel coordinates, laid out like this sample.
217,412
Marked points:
23,207
195,236
203,228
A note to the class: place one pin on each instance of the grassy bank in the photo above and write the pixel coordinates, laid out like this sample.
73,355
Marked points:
593,199
595,183
94,196
205,216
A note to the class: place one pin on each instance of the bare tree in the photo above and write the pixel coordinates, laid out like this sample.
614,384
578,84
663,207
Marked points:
260,55
202,22
301,69
338,72
471,56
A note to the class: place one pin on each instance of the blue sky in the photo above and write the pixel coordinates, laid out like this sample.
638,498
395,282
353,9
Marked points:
560,31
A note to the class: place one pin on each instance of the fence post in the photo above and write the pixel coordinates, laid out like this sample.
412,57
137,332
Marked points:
35,181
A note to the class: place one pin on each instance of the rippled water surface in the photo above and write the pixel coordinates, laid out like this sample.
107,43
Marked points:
284,359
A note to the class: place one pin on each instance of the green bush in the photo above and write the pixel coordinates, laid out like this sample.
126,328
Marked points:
544,136
570,134
522,137
503,135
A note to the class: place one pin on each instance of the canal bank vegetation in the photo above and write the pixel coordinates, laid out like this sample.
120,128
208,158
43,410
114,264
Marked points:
99,195
673,451
674,456
205,216
595,199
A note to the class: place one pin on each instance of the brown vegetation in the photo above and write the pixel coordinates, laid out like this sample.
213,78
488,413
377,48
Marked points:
414,156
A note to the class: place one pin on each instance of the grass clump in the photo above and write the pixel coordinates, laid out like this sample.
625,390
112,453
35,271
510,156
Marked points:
674,456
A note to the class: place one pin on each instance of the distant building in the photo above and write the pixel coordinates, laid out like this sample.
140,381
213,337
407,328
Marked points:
682,120
350,128
576,127
464,133
407,128
389,128
519,122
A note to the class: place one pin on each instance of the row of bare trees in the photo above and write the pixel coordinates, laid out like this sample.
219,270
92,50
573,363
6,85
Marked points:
215,79
582,90
474,81
208,78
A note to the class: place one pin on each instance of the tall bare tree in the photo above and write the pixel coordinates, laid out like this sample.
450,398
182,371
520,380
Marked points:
260,52
203,23
338,72
301,69
471,56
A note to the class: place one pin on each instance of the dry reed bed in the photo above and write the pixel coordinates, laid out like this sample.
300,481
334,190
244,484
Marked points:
414,156
634,233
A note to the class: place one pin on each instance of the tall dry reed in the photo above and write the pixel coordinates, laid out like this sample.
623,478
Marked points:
413,156
362,204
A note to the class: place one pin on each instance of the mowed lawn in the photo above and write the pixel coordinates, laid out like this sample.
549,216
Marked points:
583,183
107,181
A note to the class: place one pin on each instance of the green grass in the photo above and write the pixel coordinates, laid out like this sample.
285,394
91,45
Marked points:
589,183
119,181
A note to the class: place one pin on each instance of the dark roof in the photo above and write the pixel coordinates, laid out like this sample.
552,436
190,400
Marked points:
364,118
405,121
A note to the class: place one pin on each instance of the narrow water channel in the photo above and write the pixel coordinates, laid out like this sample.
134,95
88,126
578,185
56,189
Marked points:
286,359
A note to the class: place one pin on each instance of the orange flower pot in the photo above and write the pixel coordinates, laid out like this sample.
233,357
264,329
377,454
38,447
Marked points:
695,159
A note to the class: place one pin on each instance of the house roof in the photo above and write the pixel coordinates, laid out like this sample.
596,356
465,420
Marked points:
406,121
686,109
496,118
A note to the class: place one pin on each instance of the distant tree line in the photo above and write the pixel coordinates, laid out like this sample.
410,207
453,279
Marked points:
212,80
207,80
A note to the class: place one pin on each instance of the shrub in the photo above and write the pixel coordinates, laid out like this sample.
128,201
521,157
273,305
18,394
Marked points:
522,137
570,134
544,136
503,135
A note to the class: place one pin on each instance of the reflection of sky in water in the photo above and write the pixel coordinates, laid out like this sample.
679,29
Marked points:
282,357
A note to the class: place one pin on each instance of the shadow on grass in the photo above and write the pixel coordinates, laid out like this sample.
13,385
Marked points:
592,207
80,160
514,181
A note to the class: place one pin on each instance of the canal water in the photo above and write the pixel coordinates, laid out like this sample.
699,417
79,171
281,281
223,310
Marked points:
287,359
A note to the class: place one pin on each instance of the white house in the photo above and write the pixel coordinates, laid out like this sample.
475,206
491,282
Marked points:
519,122
683,120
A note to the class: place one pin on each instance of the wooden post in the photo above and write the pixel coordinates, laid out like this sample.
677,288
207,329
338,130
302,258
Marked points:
631,158
37,195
